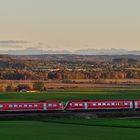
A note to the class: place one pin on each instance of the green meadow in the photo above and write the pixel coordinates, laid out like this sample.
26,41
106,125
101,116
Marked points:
64,95
71,128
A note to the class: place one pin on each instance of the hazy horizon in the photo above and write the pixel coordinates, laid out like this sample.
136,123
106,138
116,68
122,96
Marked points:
70,24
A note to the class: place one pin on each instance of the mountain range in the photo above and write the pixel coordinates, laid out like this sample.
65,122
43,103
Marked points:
36,51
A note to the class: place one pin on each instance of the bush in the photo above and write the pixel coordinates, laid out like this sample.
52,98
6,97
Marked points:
39,86
9,88
1,88
23,87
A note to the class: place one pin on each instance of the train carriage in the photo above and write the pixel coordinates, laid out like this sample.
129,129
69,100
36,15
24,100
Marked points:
109,104
99,104
31,106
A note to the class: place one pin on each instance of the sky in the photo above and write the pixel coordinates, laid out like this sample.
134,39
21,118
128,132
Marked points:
70,24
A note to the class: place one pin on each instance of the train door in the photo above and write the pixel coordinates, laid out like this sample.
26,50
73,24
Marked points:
135,104
44,106
86,105
131,105
1,107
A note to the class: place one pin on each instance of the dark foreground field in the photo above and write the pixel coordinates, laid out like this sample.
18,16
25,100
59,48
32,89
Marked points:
79,128
71,129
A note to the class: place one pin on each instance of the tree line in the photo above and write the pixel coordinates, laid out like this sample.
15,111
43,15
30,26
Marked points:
64,74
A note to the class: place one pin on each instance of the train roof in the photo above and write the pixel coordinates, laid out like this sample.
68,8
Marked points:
96,100
34,102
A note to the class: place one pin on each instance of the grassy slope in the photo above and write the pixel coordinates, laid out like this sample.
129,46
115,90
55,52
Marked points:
70,129
73,95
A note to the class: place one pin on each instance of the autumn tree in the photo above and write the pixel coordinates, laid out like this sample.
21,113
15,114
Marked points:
39,86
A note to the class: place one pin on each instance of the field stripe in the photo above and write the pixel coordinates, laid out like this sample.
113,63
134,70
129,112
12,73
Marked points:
97,125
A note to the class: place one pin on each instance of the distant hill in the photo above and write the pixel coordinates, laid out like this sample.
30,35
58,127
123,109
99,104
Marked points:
78,58
33,51
37,51
106,52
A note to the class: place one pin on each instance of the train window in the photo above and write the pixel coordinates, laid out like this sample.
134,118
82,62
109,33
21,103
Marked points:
20,105
54,105
36,105
10,106
76,104
1,106
25,105
94,104
49,104
99,104
30,105
112,103
103,104
15,105
108,104
70,104
80,104
125,103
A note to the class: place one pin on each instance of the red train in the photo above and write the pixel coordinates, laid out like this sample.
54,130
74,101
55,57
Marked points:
31,106
100,104
75,105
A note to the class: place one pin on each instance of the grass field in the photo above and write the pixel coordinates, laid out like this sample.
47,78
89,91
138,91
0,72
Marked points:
71,128
116,93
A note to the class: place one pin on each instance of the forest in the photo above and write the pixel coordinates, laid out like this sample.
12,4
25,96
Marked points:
69,67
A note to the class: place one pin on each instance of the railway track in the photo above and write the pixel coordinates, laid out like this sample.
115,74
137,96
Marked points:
85,114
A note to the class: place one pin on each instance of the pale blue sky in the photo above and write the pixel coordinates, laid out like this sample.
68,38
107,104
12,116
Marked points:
72,24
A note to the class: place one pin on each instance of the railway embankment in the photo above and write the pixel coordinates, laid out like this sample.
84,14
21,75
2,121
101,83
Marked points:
87,115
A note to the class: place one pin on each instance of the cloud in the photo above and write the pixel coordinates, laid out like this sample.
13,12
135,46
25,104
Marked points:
14,42
13,46
21,44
